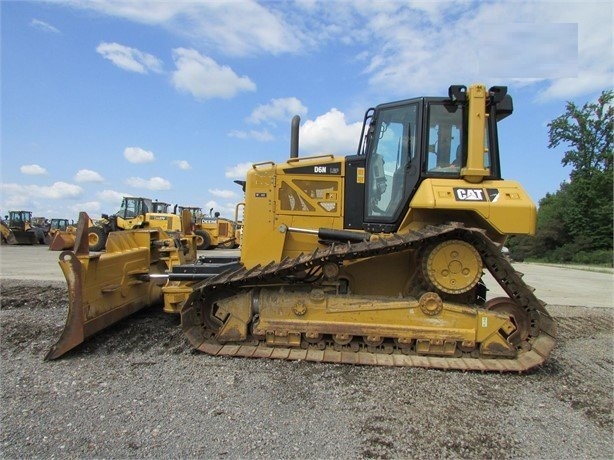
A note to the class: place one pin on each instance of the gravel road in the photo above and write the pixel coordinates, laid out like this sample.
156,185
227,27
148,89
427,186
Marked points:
137,390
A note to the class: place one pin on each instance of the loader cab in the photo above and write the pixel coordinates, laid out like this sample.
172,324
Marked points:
59,224
159,207
20,220
195,212
132,207
403,143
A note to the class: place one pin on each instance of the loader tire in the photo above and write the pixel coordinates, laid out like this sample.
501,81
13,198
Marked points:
39,235
97,238
203,240
230,244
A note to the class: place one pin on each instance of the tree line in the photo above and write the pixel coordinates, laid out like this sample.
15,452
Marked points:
575,224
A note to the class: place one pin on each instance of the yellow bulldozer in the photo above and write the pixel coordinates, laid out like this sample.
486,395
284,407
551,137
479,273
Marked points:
375,258
134,213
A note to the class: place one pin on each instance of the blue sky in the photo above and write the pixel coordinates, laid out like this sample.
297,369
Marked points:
175,100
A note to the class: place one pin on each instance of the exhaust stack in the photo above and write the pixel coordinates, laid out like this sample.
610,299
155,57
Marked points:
296,121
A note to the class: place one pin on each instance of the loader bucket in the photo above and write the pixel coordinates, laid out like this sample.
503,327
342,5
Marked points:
10,239
105,287
24,237
62,241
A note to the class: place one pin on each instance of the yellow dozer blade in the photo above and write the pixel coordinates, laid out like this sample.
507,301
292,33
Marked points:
105,287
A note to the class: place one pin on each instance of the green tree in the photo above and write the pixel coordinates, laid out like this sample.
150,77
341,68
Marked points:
588,132
578,218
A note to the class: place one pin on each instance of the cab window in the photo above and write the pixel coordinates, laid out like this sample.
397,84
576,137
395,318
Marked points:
445,140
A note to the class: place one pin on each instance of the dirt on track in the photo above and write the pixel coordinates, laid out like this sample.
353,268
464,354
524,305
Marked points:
137,390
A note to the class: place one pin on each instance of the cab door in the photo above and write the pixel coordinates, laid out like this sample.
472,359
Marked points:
392,164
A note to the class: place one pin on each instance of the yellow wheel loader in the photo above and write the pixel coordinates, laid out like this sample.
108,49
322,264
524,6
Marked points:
134,213
19,229
213,231
62,233
375,258
220,232
203,240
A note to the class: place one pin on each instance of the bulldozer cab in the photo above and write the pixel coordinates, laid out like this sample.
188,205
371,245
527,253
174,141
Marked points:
406,142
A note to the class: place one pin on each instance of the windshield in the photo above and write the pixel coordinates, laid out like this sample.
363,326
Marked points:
129,208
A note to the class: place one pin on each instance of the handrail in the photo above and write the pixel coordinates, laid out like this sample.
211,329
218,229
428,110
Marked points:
294,160
263,163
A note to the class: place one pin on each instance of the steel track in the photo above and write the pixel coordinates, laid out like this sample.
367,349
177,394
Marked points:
532,352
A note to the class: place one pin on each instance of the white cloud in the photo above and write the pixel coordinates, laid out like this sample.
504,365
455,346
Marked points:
92,208
262,136
44,26
33,170
555,56
130,59
182,164
409,48
569,88
55,191
236,28
282,109
204,78
330,133
36,198
59,190
87,175
212,206
238,171
154,183
226,194
111,196
226,210
424,51
138,155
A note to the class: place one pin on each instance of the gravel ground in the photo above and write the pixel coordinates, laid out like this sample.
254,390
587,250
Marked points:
137,390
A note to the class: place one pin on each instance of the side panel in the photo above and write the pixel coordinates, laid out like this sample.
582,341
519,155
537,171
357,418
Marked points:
504,204
306,193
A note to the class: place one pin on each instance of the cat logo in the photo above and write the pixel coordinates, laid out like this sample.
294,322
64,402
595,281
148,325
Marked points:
469,194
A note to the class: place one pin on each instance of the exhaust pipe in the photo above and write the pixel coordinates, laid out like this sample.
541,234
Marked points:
296,121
